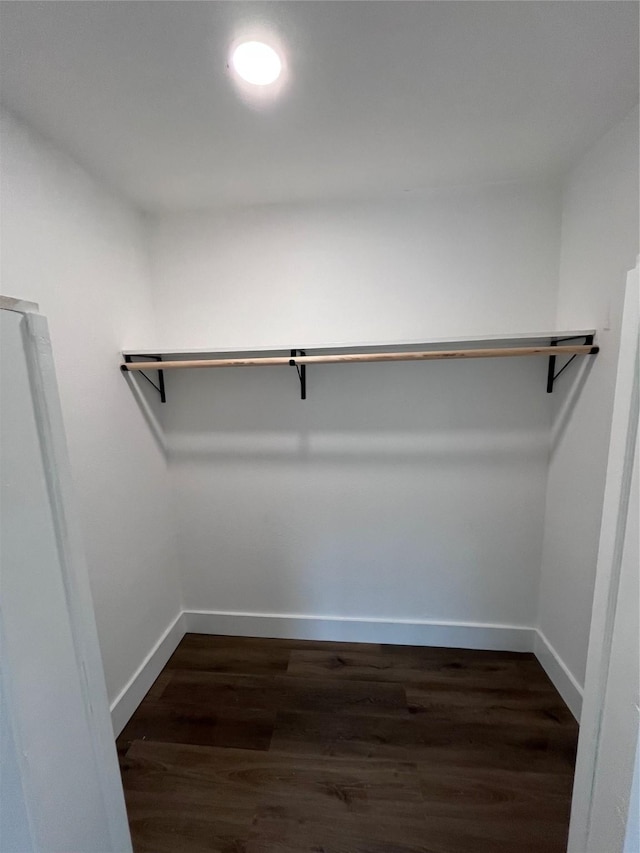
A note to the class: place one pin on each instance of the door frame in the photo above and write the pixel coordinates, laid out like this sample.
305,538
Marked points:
77,593
622,446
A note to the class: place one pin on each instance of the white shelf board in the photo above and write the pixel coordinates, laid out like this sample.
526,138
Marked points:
9,303
515,338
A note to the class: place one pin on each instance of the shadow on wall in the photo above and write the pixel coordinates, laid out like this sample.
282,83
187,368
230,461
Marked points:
148,401
567,396
231,409
395,490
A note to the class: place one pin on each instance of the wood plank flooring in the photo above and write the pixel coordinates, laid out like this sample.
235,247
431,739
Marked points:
281,746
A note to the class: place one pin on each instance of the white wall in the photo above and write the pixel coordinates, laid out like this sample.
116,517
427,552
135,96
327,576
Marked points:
450,263
71,247
410,491
599,245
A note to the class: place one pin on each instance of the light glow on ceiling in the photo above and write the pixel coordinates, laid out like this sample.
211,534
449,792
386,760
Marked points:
256,63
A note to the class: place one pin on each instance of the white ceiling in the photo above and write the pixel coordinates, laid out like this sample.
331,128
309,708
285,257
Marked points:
381,96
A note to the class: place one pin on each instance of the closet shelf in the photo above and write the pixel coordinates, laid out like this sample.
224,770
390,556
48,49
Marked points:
550,344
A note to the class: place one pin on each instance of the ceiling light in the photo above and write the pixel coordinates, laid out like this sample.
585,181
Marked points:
257,63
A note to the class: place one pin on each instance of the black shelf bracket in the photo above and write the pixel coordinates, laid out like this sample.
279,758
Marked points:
302,372
551,372
160,386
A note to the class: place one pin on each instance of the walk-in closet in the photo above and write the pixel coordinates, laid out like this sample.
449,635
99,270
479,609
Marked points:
319,406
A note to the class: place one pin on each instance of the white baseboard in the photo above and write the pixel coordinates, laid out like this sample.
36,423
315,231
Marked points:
563,679
461,635
134,691
464,635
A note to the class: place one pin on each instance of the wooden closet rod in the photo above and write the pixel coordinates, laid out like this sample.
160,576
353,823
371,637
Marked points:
497,352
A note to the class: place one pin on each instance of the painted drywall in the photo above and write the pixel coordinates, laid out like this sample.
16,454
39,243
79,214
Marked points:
374,95
68,245
599,244
395,491
448,263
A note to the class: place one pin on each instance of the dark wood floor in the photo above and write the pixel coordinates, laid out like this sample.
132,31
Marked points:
249,745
